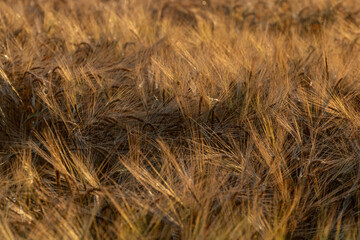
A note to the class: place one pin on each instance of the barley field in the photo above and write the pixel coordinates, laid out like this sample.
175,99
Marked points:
160,119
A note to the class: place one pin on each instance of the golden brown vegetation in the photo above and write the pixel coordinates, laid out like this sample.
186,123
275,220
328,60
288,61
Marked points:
146,119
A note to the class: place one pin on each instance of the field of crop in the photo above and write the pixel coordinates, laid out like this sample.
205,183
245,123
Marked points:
160,119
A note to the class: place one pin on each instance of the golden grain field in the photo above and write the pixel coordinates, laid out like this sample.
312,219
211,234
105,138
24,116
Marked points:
161,119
